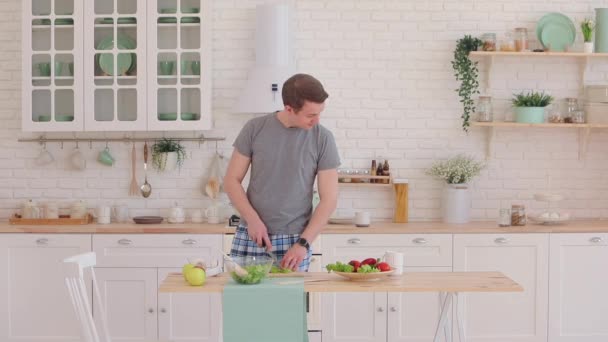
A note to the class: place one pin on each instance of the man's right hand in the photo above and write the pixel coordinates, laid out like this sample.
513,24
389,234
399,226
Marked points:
259,234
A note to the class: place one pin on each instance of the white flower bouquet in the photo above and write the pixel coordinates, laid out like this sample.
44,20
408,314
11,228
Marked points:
457,170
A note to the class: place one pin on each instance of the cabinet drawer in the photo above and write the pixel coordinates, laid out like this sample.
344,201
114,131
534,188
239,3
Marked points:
158,250
418,249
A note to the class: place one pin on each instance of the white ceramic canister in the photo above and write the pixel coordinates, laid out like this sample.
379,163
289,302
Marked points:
78,210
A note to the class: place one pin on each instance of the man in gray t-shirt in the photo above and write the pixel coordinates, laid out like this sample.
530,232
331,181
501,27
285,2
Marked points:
286,151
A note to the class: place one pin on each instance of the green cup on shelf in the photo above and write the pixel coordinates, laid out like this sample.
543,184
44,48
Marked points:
71,68
166,67
45,69
58,68
196,67
184,67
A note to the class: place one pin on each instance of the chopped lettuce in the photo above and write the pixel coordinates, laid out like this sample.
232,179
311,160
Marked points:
255,274
339,267
276,269
367,269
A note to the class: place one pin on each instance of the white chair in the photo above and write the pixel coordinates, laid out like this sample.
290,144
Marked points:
75,272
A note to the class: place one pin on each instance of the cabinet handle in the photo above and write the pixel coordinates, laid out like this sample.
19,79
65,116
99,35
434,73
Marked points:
150,310
419,241
393,309
189,242
501,241
596,239
163,310
125,242
380,309
42,241
354,241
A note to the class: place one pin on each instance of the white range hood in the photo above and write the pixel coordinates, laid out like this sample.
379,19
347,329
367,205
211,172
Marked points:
274,61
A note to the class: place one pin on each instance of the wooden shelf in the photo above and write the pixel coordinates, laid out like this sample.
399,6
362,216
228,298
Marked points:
536,54
538,125
366,185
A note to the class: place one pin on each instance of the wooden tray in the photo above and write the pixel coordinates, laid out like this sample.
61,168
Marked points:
64,221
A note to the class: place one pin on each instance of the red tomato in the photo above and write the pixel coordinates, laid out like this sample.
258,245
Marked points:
369,261
356,264
383,266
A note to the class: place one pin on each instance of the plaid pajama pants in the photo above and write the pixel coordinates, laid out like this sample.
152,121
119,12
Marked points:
242,245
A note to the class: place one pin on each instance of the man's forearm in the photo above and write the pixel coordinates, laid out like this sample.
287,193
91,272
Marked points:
239,200
319,219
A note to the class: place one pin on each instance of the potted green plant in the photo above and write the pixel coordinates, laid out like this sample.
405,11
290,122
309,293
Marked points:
457,172
587,27
465,71
167,154
530,107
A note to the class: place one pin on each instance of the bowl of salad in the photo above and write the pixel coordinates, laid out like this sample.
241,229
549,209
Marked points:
366,270
250,270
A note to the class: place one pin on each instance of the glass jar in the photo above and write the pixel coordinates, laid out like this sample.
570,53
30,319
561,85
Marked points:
504,217
521,39
507,44
484,109
518,215
555,115
578,117
488,42
571,108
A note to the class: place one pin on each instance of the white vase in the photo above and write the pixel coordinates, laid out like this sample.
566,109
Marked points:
456,203
588,47
169,161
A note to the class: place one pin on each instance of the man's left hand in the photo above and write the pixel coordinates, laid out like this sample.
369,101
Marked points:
294,257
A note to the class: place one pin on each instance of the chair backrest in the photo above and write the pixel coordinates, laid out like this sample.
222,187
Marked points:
75,268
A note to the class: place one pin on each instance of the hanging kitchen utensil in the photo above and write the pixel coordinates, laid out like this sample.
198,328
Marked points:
213,183
146,188
134,187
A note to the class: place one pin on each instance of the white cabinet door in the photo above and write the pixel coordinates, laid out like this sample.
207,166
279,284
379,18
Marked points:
188,316
352,316
413,316
179,65
505,317
34,302
52,81
578,305
129,297
115,65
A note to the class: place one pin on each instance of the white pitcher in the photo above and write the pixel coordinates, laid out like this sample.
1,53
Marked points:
395,260
213,214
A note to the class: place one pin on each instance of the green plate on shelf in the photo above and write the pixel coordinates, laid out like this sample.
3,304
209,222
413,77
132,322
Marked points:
110,21
184,20
64,21
44,118
190,10
190,116
553,18
190,20
167,10
64,117
167,116
557,36
125,60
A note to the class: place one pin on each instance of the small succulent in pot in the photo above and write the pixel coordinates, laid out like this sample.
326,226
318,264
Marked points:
167,154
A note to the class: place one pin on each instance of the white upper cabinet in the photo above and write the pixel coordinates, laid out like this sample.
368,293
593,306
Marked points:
117,65
52,65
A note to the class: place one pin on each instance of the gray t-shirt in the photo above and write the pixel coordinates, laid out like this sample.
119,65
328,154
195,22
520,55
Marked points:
284,164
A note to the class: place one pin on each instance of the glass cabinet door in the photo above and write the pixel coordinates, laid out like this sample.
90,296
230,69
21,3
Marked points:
115,60
52,65
179,65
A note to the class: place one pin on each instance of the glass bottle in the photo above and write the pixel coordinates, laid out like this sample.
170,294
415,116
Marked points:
504,217
521,39
508,43
578,117
571,108
555,114
484,109
488,42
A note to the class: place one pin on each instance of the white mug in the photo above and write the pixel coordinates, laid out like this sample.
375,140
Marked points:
104,211
177,215
362,219
120,213
103,219
395,260
51,210
213,214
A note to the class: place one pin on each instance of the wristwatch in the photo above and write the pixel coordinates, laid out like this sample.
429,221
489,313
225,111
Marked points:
304,243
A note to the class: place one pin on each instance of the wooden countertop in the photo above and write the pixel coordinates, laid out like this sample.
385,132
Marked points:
408,282
586,226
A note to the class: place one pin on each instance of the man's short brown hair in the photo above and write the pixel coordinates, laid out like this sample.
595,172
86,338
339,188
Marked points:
302,87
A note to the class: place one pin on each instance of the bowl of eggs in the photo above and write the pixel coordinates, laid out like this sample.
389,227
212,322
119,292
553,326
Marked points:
550,217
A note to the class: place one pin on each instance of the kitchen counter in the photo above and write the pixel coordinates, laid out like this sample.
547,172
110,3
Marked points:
410,282
586,226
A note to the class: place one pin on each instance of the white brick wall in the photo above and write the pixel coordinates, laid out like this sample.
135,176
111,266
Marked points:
386,65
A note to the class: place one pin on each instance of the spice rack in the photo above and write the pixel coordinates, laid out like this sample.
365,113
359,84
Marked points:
584,129
364,181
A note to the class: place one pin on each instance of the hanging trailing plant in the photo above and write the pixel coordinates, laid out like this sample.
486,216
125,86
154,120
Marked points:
162,148
466,72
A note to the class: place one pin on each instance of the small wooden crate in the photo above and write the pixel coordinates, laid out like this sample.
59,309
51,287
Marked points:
61,221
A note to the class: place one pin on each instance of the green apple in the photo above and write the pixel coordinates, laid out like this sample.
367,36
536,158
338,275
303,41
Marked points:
195,276
186,268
